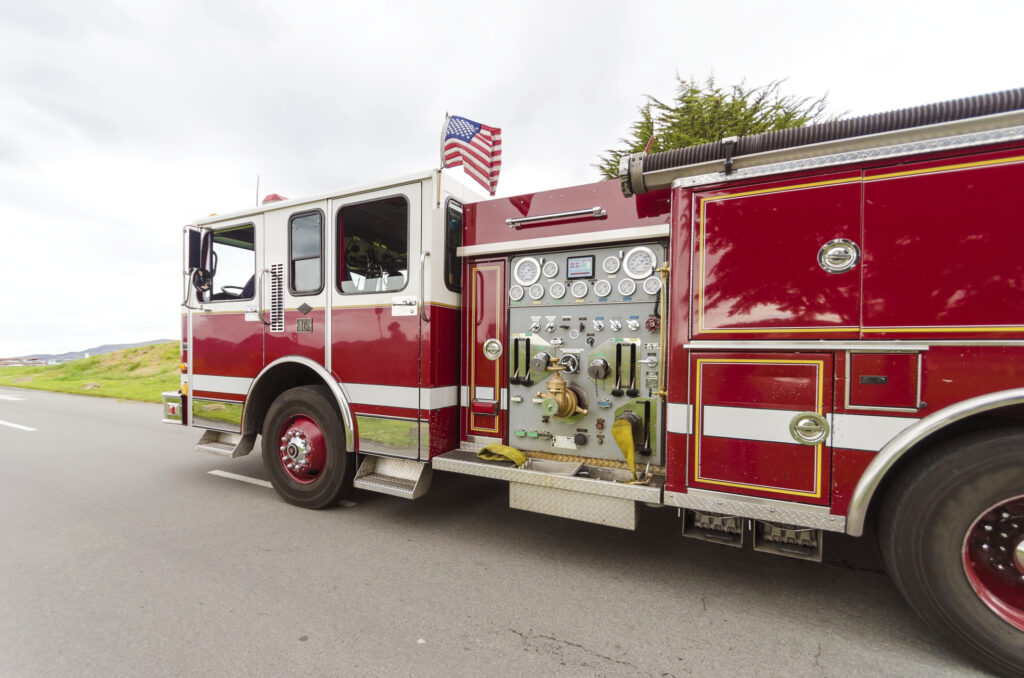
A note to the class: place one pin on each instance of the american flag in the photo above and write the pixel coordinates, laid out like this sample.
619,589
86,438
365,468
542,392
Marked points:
477,147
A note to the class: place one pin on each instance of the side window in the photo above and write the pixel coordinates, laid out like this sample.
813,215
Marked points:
233,264
452,242
305,238
373,246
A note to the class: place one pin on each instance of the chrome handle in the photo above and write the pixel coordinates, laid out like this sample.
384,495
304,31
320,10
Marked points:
593,212
423,306
649,361
404,302
838,256
809,428
259,297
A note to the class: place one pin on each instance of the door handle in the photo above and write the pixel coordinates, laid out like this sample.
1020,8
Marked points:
259,297
423,292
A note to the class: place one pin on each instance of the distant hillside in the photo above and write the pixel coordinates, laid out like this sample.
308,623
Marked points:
94,351
137,373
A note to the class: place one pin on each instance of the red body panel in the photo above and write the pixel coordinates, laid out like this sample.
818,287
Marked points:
941,249
373,347
485,221
226,344
291,342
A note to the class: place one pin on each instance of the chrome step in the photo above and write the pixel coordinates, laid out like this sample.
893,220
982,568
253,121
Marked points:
404,478
225,444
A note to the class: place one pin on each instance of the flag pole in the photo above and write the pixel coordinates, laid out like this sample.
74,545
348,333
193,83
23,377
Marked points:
444,131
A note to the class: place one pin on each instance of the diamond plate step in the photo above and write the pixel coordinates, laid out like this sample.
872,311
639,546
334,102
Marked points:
225,444
398,477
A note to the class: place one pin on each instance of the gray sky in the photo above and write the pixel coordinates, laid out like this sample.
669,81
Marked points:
122,120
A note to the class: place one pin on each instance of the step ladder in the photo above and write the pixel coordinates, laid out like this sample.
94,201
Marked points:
405,478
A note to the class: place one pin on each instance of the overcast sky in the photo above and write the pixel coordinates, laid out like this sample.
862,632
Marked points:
120,121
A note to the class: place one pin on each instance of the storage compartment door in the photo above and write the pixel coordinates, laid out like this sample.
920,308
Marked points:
762,425
485,366
757,268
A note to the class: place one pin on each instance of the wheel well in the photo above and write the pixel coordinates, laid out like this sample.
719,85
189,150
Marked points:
273,383
1011,416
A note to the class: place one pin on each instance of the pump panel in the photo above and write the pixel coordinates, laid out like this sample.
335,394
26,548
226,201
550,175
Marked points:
584,352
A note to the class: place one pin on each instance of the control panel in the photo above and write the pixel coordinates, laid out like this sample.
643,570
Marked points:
585,352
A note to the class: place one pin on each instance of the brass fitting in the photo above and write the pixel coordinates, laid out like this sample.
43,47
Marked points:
559,400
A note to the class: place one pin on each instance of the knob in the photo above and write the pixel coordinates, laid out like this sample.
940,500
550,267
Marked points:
633,324
540,361
598,369
535,327
598,325
616,325
580,439
570,362
590,340
550,327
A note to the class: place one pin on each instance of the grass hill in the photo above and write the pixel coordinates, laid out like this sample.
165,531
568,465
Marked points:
141,373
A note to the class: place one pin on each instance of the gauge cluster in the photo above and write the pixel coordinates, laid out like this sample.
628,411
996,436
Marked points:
606,275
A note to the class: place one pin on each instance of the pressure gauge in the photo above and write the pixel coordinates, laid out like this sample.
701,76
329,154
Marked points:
515,293
652,285
602,288
536,291
627,286
550,269
639,262
557,290
579,289
610,265
527,271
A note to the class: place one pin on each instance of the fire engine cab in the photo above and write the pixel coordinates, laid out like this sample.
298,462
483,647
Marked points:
779,336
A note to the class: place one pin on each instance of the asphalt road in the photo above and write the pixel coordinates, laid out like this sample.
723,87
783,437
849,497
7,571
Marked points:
122,555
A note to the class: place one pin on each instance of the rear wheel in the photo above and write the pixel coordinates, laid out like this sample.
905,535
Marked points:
952,537
304,448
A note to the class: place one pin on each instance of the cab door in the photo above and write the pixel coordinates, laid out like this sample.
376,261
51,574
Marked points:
226,334
295,283
375,315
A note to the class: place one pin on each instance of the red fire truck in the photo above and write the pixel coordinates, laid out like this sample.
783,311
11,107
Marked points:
779,336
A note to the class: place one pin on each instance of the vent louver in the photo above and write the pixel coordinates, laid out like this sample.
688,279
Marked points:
277,298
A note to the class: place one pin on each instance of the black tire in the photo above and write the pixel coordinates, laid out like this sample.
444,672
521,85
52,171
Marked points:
925,519
333,478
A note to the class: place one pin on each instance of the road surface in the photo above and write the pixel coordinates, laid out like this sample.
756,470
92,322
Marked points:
123,554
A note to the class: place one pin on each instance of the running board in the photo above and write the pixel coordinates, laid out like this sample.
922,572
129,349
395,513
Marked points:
592,494
398,477
226,444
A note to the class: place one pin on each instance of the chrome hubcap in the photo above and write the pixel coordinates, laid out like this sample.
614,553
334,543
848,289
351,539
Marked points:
295,451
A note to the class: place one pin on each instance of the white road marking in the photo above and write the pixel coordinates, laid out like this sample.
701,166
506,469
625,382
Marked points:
17,426
10,397
244,479
263,483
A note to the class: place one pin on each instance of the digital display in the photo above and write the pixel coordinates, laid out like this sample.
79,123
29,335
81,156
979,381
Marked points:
580,267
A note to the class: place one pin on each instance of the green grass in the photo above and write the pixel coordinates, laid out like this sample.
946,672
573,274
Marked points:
141,373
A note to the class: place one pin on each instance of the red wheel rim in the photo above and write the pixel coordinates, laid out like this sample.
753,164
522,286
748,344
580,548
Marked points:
994,560
301,449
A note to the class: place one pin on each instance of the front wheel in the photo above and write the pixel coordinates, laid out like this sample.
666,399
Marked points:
304,448
952,537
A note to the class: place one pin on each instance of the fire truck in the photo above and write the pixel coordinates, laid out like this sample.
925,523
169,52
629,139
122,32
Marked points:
780,336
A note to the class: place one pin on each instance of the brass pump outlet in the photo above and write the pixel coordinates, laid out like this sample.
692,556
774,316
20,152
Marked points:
559,401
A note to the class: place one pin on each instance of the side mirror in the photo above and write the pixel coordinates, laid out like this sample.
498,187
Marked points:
193,249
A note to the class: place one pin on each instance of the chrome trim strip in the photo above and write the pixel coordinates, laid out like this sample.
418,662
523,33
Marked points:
592,212
550,242
336,390
810,345
757,508
408,397
439,397
212,382
466,462
989,129
899,445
